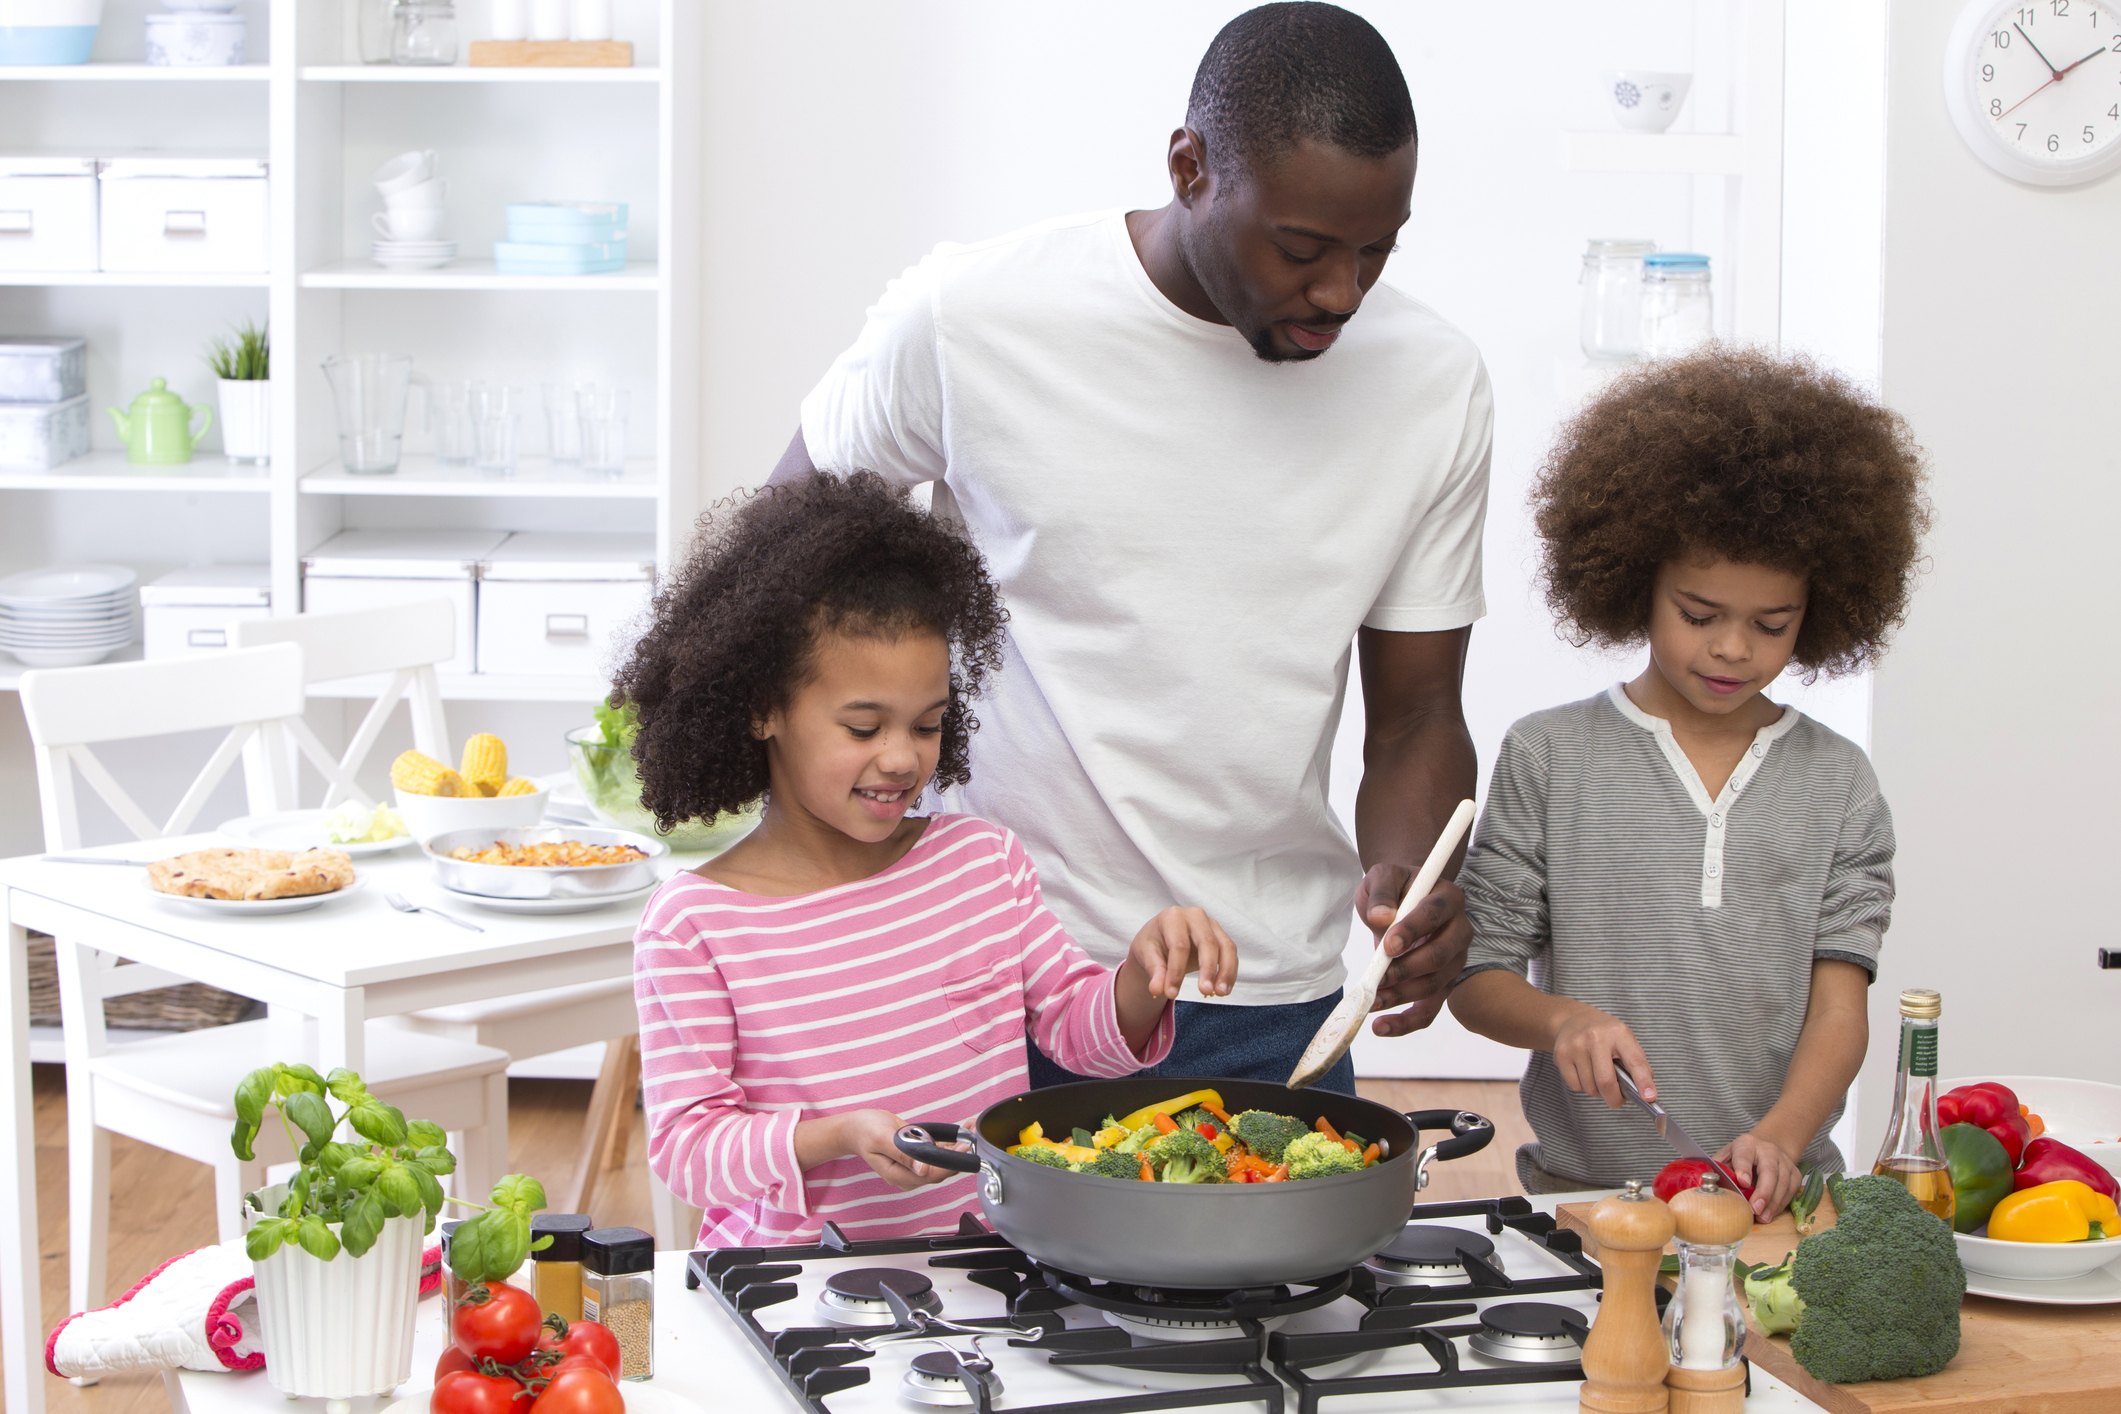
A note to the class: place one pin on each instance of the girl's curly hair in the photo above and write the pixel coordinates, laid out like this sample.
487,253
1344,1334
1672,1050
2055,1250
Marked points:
1741,455
735,632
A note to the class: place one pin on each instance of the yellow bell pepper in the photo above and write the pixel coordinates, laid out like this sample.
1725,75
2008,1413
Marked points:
2062,1211
1224,1143
1172,1107
1031,1134
1110,1138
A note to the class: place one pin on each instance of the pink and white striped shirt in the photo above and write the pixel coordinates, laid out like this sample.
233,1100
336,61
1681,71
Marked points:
906,991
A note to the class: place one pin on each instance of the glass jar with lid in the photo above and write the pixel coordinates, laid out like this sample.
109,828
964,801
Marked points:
423,32
618,1293
1677,312
1611,326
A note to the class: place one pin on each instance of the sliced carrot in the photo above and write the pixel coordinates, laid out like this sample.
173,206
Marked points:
1221,1117
1279,1174
1148,1174
1164,1123
1325,1127
2039,1125
1369,1155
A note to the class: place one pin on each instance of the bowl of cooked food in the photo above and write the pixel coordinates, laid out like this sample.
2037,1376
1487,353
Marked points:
435,798
544,861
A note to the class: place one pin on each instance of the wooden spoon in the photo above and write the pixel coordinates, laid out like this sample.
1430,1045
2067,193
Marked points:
1345,1024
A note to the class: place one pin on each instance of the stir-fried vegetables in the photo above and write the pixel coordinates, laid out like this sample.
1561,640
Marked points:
1193,1139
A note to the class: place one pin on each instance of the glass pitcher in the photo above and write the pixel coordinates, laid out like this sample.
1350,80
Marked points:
370,392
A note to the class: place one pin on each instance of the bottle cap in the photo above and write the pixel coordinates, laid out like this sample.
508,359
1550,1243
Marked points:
615,1251
1921,1003
565,1230
448,1230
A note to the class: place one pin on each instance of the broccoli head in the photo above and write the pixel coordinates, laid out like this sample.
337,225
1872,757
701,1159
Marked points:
1183,1156
1045,1154
1315,1156
1881,1288
1267,1135
1139,1140
1111,1163
1194,1118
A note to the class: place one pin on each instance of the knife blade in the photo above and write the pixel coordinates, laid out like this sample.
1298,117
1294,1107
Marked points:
1671,1132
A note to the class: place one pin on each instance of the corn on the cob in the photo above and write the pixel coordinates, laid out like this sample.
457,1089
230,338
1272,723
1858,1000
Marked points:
485,762
517,785
416,774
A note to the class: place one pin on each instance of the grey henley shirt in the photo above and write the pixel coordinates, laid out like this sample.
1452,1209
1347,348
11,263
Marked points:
1603,872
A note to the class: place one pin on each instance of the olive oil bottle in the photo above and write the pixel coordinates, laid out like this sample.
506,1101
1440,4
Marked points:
1912,1154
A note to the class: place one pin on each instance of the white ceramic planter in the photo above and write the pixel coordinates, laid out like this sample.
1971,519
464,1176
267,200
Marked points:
246,419
341,1329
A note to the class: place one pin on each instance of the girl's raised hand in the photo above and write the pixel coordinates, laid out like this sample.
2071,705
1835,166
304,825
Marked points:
1182,940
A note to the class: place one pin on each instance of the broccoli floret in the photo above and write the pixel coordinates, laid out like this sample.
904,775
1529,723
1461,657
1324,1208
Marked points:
1139,1140
1045,1154
1183,1156
1111,1163
1267,1135
1315,1156
1194,1118
1110,1123
1776,1304
1880,1289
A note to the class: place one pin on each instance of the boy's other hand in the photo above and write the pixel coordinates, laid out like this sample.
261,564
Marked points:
1764,1164
1428,946
1587,1043
869,1135
1182,940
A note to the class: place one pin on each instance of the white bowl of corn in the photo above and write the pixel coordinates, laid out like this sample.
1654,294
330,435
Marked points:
436,798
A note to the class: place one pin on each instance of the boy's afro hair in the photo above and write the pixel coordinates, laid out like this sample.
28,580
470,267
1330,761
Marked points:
1741,455
733,633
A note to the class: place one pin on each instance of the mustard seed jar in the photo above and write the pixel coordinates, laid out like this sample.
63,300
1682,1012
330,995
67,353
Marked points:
618,1293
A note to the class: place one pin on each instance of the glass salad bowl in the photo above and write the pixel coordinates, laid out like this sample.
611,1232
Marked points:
605,773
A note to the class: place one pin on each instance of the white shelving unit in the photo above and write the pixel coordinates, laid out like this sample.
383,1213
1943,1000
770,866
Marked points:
324,122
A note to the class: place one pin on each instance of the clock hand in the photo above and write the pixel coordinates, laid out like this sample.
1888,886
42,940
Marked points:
2029,97
2085,60
2035,48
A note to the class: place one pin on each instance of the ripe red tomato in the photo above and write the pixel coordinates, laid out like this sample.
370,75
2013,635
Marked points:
1682,1174
586,1338
467,1392
580,1392
504,1326
452,1361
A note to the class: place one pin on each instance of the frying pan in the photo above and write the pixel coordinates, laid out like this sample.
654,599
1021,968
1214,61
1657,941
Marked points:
1195,1236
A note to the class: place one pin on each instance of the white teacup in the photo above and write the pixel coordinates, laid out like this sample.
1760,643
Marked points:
1645,100
422,223
427,196
407,169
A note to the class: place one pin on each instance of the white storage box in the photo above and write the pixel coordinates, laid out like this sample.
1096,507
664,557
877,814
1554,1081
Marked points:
189,611
47,213
184,214
39,436
366,569
562,604
42,368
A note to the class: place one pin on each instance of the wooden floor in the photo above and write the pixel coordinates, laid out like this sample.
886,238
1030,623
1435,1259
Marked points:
166,1205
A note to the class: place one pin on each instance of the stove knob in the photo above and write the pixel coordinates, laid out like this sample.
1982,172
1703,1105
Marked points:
990,1186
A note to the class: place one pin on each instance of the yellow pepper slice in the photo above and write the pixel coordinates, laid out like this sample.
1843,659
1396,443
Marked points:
1171,1107
1073,1153
1031,1134
1224,1143
2063,1211
1110,1138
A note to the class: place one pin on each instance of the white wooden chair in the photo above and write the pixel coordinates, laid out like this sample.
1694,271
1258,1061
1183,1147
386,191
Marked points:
176,1092
406,641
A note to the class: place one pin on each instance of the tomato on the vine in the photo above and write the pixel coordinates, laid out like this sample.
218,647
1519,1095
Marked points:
468,1392
580,1391
503,1327
452,1361
585,1338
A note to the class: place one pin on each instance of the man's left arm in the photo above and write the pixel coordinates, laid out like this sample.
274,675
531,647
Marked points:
1417,764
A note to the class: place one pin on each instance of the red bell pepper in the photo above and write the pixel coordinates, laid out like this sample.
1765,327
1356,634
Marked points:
1991,1107
2050,1160
1682,1174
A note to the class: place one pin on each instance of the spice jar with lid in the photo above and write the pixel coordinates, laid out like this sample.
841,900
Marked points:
1677,312
1610,329
557,1274
618,1292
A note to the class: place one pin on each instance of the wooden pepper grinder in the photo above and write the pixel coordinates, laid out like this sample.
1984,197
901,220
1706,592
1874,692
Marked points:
1625,1357
1705,1322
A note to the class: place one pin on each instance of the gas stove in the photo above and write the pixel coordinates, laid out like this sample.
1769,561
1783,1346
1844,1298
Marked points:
1470,1295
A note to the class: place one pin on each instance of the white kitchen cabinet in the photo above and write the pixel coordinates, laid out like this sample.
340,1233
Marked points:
189,611
367,569
48,213
560,603
196,214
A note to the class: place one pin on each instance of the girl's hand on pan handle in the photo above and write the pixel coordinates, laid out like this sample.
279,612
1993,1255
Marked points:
866,1135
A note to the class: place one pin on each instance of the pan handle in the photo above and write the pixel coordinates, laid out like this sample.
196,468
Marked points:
924,1142
1470,1134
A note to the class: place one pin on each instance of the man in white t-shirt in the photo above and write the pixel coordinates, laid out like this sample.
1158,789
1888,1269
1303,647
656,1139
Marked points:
1199,479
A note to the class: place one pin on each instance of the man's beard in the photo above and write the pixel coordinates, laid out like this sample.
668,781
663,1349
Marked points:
1203,259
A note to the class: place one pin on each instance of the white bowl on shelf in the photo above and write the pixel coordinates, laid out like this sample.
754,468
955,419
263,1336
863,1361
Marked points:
427,816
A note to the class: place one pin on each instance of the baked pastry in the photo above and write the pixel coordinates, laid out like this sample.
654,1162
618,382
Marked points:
252,873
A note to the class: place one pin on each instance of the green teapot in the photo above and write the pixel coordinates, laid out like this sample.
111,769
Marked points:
157,432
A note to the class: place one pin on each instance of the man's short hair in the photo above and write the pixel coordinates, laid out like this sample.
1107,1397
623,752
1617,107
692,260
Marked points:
1282,74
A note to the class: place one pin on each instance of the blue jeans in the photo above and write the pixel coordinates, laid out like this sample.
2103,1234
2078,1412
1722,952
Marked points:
1244,1042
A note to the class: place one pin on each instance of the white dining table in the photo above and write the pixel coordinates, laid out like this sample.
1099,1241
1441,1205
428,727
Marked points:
340,963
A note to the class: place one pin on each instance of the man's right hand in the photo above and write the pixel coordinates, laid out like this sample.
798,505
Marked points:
1586,1044
1428,946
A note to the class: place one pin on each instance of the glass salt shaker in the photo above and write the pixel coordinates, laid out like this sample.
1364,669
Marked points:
423,32
1705,1325
1611,326
618,1293
1677,313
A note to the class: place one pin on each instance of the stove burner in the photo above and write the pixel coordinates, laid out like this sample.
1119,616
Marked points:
1427,1252
1181,1314
1528,1333
934,1380
855,1299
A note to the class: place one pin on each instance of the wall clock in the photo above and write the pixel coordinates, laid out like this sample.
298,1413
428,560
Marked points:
2034,87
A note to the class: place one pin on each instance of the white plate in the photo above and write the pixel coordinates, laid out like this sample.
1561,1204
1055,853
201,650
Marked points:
425,262
61,657
253,907
300,830
35,588
642,1397
121,634
551,905
2098,1288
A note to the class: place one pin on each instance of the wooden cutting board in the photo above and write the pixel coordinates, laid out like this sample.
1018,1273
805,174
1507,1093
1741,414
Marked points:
2013,1358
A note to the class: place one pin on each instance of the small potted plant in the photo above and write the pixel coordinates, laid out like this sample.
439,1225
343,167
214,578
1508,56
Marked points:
336,1249
243,365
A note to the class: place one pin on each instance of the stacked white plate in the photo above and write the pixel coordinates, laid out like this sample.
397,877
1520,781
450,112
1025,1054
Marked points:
68,615
412,255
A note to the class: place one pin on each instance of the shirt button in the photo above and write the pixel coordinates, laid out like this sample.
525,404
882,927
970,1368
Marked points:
1760,748
1713,870
1716,820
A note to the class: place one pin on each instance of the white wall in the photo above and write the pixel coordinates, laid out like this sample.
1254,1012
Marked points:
1994,712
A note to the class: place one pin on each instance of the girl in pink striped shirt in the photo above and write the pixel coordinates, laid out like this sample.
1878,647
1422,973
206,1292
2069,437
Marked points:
847,964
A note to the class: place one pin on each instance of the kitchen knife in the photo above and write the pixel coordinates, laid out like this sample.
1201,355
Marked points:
1669,1130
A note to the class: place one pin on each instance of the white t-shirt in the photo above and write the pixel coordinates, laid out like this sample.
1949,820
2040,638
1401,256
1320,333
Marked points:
1187,538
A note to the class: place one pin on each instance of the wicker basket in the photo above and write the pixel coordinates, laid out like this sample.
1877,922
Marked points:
191,1007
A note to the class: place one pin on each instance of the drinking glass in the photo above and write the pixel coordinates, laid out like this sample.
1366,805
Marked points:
456,423
499,415
603,415
369,391
423,32
563,423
